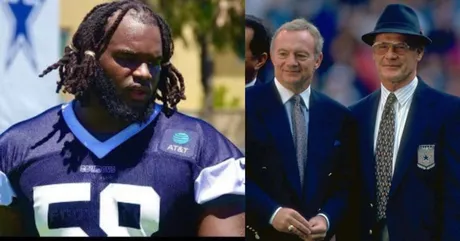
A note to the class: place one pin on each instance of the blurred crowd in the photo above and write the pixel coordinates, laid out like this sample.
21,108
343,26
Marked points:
347,72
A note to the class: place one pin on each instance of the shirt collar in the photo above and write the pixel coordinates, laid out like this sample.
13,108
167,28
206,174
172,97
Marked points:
252,83
102,148
286,94
403,94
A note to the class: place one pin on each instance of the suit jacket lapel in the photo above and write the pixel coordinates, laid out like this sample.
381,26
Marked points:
417,119
368,142
278,124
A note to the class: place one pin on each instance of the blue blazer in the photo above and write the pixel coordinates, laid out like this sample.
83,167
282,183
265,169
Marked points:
423,204
272,173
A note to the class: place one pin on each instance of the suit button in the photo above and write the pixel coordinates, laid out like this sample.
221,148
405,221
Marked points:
372,205
319,209
330,174
370,231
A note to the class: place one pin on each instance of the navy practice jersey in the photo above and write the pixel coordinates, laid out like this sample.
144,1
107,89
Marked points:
148,180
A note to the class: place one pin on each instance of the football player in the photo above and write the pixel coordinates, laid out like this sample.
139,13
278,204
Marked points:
114,162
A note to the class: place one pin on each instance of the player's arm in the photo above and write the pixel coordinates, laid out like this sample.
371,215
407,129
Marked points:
220,190
10,218
223,220
10,223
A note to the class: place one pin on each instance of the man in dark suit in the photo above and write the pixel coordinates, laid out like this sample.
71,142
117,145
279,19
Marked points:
299,145
257,50
409,141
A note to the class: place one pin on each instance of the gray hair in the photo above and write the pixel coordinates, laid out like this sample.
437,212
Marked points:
301,24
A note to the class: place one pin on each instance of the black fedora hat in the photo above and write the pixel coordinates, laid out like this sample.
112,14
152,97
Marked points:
397,18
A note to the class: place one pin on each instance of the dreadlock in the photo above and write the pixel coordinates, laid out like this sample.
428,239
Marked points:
78,64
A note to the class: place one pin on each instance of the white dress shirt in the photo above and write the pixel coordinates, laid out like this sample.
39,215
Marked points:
402,105
286,96
252,83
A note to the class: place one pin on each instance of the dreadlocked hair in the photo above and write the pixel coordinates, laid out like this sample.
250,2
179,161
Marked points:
77,66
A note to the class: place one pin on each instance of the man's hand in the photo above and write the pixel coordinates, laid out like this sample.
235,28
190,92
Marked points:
318,228
290,221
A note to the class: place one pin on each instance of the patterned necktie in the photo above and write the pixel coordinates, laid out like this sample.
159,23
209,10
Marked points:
384,155
300,135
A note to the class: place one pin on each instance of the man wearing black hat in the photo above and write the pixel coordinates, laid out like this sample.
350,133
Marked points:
409,141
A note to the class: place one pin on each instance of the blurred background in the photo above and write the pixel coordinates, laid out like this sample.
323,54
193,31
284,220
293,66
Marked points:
209,50
347,72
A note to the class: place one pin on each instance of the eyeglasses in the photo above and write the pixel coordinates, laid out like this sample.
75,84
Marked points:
382,48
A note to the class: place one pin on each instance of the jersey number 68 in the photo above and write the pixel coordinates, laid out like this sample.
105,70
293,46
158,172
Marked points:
144,196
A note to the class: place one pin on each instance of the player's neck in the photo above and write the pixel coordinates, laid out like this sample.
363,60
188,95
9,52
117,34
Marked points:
96,119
